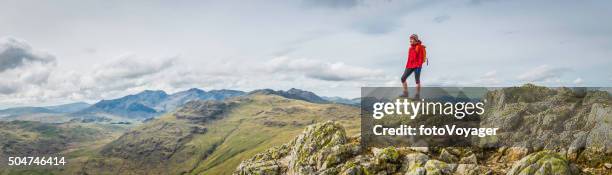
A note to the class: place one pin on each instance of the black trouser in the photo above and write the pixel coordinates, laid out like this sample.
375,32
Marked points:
417,74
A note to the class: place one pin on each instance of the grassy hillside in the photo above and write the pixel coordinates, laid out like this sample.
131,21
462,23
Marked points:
211,138
70,140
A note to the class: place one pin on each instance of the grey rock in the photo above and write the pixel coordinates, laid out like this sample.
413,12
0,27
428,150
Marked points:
472,169
446,156
417,171
544,162
438,167
471,159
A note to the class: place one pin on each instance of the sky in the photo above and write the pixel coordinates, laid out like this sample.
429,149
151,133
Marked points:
55,52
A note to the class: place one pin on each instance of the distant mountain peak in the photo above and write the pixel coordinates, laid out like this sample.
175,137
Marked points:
295,90
195,90
225,90
153,92
293,93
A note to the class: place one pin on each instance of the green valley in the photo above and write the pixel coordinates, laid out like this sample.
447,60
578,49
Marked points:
211,137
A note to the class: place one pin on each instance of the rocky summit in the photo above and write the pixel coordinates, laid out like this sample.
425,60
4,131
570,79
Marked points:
325,149
568,129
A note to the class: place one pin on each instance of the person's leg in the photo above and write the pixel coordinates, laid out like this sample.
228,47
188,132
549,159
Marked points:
407,73
417,78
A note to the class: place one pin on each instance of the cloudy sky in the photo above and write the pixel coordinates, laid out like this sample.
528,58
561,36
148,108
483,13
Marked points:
54,52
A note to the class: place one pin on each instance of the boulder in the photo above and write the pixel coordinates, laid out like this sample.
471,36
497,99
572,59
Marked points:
471,159
543,162
436,167
446,156
320,146
386,160
472,169
320,149
267,162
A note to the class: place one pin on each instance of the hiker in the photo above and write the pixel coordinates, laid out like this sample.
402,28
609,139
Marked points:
416,58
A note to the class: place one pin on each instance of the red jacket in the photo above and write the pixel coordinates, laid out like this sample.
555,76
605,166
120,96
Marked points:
416,56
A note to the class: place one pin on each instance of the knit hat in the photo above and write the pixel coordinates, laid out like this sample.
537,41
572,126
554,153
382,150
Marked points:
415,36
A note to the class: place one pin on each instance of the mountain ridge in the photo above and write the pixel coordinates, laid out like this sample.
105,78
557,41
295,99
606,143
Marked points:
146,104
293,93
152,103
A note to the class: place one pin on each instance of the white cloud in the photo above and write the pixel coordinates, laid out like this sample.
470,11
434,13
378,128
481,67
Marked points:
124,74
328,71
578,80
488,79
31,76
21,67
130,67
490,74
543,73
26,83
46,83
7,87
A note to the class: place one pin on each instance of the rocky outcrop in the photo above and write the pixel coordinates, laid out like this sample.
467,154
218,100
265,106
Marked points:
324,148
320,149
269,162
544,163
543,131
575,122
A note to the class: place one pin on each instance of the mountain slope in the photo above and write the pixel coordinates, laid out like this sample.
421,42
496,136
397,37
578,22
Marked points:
68,108
132,106
23,111
293,93
180,98
212,137
69,140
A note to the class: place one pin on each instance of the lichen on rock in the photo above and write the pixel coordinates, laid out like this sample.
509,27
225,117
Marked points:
318,147
543,162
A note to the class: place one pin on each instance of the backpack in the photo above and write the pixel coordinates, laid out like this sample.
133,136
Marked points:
425,60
